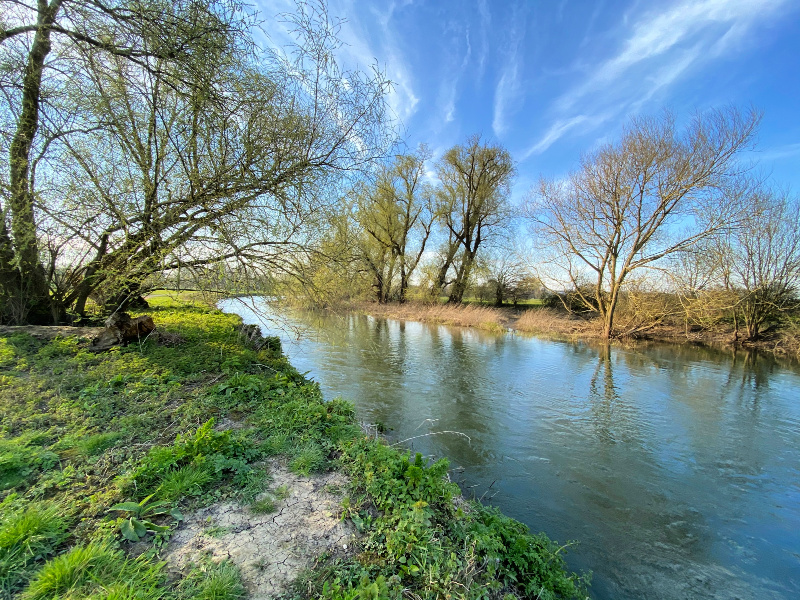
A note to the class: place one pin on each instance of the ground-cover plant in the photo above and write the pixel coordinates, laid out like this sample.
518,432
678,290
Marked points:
194,461
418,538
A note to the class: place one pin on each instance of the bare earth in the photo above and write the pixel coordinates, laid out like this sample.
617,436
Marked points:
49,332
272,549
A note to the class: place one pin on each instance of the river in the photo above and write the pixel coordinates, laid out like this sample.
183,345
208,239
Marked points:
676,468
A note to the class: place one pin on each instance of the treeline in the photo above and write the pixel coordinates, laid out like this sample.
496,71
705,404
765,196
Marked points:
154,143
668,224
410,230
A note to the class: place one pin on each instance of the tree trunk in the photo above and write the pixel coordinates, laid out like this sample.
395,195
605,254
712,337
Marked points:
33,289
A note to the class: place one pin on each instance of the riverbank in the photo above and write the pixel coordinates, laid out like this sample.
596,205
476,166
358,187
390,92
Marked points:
108,460
560,325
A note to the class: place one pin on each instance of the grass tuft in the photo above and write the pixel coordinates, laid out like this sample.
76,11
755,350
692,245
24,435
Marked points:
213,581
307,459
96,571
27,536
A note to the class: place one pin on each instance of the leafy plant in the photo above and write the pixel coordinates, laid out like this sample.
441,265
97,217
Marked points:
138,523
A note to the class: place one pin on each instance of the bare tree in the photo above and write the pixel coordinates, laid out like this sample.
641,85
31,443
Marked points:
657,191
761,260
508,275
472,203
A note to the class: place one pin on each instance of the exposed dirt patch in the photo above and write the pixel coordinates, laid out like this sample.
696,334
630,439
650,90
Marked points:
270,549
49,332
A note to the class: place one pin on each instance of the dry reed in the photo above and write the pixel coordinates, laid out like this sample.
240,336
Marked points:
467,315
545,321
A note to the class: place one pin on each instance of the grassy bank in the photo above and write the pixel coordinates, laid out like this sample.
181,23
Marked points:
102,455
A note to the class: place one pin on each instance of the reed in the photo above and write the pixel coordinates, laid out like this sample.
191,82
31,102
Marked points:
460,315
549,322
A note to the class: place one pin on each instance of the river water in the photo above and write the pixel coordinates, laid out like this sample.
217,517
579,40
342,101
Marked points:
676,468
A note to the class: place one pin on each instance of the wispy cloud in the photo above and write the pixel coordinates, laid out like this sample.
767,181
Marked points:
508,91
449,89
659,49
485,24
556,130
779,152
362,49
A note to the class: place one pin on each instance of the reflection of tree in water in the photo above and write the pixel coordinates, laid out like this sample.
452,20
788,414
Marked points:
461,405
603,396
756,370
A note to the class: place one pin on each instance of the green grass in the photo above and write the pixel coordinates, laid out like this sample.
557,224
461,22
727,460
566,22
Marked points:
27,535
96,571
213,581
122,443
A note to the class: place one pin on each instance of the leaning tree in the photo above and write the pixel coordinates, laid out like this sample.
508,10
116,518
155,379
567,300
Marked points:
175,145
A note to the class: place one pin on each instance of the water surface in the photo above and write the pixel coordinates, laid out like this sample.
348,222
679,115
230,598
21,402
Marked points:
677,468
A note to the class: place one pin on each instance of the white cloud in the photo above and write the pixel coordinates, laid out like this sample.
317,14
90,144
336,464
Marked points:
659,50
779,152
556,130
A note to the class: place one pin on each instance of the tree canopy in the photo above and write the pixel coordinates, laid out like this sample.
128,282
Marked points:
168,140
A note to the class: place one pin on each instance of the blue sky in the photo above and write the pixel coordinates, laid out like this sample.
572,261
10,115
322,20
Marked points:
552,79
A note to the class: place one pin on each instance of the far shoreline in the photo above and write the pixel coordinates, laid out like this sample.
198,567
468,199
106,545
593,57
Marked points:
561,326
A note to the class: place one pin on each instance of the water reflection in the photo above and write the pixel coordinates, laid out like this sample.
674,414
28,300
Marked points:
677,468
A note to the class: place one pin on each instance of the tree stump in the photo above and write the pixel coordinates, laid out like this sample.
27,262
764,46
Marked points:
121,329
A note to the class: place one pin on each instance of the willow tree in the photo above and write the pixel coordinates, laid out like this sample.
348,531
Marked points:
39,38
195,151
658,191
395,214
472,205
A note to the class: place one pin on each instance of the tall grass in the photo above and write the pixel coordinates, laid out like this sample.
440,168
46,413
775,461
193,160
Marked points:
545,321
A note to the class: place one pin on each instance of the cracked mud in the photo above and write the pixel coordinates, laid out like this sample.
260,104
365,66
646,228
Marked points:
270,549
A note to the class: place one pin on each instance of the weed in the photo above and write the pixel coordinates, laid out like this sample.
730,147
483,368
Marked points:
138,523
268,503
211,529
264,506
212,581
